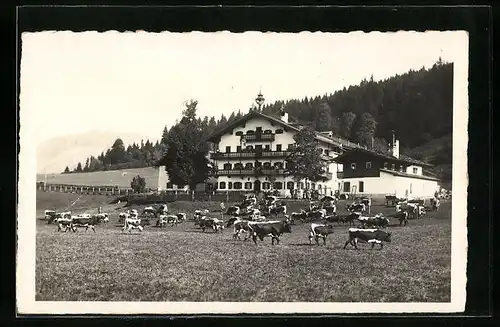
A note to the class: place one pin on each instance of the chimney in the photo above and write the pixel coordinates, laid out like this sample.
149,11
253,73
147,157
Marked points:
395,146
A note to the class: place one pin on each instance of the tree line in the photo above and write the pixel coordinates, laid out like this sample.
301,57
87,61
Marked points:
416,105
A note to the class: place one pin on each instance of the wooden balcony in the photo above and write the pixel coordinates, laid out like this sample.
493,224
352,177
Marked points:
232,155
258,137
234,172
245,155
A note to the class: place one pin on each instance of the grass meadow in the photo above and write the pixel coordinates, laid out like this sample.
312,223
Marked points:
182,263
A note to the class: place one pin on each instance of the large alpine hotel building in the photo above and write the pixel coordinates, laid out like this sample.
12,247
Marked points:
249,155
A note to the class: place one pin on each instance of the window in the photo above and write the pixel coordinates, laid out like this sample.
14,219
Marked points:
248,185
278,185
267,147
268,131
239,133
368,165
180,186
401,169
238,148
266,185
170,185
230,185
222,185
347,186
386,165
290,147
289,185
278,165
249,148
238,166
237,185
248,165
361,186
301,185
313,186
228,149
393,167
279,131
278,147
267,165
250,132
353,166
415,170
227,166
327,152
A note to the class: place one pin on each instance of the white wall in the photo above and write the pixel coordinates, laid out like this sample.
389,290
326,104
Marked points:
390,184
409,170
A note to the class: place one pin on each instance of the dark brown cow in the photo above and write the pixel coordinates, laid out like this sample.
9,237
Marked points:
367,235
319,230
274,229
84,222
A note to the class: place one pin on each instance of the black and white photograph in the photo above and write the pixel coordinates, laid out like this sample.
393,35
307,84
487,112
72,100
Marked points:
255,172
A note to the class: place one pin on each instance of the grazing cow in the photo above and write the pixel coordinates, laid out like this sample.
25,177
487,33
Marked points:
83,221
215,224
377,221
302,215
102,217
55,216
435,203
316,214
333,219
274,229
132,223
402,216
360,207
248,202
149,212
240,226
350,218
199,213
277,209
167,219
63,223
330,210
122,216
319,230
233,211
162,210
367,235
49,213
258,218
181,217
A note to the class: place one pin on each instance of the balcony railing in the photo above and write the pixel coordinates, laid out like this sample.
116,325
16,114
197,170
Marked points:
253,154
232,155
257,137
234,172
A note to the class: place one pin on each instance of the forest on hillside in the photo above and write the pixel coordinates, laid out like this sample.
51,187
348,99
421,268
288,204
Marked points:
416,105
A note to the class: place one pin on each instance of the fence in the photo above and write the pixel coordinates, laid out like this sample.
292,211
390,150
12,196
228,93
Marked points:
83,189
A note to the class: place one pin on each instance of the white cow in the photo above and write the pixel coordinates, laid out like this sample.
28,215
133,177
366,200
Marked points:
132,223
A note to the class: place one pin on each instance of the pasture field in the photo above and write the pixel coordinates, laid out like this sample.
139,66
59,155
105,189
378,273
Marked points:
182,263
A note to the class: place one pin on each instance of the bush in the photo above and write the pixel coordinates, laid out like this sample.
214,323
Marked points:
138,184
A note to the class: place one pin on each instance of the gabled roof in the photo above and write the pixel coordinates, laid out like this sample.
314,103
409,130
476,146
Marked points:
292,126
402,158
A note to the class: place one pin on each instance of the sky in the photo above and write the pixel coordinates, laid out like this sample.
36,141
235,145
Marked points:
137,82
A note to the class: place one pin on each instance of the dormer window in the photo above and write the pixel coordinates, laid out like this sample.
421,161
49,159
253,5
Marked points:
393,167
353,166
268,131
239,133
279,131
401,168
386,165
415,170
368,165
250,132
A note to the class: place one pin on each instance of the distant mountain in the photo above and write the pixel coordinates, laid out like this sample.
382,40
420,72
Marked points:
55,154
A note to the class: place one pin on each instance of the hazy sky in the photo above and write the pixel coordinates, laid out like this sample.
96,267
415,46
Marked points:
137,82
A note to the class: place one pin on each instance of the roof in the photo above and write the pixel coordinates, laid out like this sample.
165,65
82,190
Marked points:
292,126
402,157
398,173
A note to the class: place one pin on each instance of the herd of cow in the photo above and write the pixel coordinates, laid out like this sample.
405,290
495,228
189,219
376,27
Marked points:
256,220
